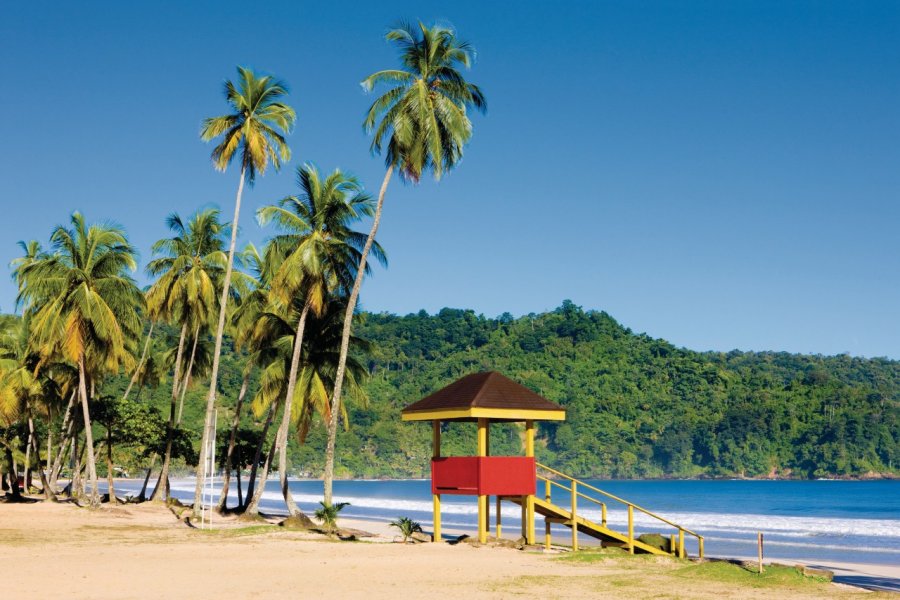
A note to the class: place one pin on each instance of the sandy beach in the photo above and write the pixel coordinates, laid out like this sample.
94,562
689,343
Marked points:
143,551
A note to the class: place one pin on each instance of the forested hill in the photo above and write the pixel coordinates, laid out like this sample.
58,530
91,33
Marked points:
637,406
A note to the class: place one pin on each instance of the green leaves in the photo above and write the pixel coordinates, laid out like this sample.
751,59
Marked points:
256,128
421,124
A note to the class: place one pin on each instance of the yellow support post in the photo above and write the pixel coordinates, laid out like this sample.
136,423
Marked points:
547,490
681,543
498,517
631,529
482,500
574,517
700,543
546,534
603,514
529,501
436,499
672,547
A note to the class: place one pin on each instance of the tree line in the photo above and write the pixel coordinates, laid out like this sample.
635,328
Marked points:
288,307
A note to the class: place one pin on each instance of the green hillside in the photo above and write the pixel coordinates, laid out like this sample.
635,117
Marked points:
637,406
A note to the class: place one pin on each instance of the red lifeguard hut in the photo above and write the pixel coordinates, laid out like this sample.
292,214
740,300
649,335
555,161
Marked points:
485,398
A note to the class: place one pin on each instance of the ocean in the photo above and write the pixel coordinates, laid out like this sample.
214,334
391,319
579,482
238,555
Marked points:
852,521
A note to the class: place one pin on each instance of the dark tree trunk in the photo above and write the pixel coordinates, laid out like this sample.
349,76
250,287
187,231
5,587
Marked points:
143,495
251,482
14,493
253,507
237,480
109,468
235,423
35,445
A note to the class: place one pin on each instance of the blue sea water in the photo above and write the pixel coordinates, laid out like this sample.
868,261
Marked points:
855,521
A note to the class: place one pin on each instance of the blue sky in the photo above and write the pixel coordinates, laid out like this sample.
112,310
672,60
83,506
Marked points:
723,175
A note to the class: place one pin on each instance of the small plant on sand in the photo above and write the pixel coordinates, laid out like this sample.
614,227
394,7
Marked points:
328,515
407,527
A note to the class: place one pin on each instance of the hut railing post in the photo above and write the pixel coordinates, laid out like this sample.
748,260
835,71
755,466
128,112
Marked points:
631,529
574,516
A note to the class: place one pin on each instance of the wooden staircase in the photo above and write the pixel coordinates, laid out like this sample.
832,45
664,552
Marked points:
580,491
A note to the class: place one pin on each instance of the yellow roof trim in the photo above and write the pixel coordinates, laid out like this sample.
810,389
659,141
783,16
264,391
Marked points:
514,414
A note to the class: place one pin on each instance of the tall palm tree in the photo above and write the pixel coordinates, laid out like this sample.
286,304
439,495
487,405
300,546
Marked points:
259,269
190,268
84,308
255,128
273,336
420,124
321,254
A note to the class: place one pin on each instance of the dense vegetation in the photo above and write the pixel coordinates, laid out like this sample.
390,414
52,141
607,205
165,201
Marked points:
637,406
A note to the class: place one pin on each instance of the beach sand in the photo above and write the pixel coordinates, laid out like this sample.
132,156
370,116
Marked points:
143,551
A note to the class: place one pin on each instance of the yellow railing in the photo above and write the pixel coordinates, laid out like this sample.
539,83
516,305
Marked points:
575,493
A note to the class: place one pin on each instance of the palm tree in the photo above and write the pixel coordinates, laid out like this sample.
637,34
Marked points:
273,337
420,124
252,301
189,267
256,128
321,253
84,308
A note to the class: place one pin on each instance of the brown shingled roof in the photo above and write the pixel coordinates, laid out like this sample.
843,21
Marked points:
483,390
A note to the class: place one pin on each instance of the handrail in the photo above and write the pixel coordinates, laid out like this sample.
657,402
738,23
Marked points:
575,484
616,498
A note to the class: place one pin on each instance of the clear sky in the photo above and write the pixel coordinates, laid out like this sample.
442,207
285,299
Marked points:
721,174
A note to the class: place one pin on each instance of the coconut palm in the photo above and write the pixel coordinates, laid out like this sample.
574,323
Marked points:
255,129
190,267
252,301
273,336
321,253
84,308
420,124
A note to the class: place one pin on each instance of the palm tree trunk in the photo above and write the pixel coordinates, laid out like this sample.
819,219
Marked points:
68,431
345,342
143,495
237,480
49,442
88,435
26,466
187,375
140,365
161,491
48,493
75,462
253,507
217,350
109,467
251,483
235,422
282,438
14,492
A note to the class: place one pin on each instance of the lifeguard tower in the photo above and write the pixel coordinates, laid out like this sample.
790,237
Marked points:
489,397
